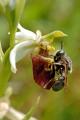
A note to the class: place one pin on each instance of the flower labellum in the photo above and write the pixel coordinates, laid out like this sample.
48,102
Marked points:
42,76
43,68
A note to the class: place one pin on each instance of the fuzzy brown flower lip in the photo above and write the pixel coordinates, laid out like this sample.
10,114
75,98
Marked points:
41,76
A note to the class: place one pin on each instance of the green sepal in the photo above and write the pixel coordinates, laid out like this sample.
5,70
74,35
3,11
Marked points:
55,34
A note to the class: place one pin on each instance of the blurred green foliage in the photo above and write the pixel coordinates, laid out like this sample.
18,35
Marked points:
48,16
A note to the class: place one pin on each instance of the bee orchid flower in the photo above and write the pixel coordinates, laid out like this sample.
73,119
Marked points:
26,41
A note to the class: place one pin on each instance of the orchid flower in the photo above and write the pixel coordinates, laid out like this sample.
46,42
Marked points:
26,41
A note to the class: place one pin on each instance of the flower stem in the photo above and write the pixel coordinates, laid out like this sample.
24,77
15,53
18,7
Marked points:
5,73
12,37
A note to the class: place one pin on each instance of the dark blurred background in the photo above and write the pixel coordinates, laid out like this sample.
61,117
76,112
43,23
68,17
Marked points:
47,16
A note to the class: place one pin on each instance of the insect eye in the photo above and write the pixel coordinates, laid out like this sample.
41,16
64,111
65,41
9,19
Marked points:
58,55
58,84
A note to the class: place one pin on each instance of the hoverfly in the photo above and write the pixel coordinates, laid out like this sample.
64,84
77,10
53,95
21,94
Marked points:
50,71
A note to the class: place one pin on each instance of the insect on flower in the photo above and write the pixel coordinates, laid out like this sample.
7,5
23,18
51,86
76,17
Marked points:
62,65
50,71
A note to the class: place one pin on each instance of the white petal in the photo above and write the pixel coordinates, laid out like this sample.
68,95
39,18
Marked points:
24,34
4,107
19,51
32,118
39,35
16,115
13,114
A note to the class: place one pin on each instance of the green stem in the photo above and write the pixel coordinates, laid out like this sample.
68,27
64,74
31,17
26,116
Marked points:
12,37
3,81
5,73
13,18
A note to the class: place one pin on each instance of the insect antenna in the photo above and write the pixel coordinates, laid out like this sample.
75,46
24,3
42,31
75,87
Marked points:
61,45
